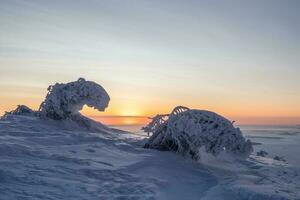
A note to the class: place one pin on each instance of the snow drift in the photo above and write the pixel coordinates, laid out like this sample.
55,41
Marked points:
186,131
66,100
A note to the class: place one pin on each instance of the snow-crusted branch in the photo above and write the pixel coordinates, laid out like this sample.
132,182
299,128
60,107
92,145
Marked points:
186,131
65,100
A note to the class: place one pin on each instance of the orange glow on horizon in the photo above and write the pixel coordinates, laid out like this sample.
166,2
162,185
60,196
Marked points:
121,120
128,113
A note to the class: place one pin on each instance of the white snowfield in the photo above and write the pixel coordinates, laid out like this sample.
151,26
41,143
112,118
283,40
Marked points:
51,159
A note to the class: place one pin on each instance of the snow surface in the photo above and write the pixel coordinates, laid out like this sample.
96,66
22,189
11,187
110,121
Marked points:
51,159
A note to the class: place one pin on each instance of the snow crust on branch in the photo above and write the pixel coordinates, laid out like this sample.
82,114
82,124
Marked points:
187,131
65,100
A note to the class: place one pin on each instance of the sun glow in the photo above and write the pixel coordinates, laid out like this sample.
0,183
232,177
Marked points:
121,120
130,110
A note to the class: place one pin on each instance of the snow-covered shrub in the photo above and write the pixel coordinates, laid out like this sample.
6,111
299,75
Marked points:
65,100
186,131
20,110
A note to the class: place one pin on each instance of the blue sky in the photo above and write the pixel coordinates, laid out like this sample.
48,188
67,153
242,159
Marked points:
235,57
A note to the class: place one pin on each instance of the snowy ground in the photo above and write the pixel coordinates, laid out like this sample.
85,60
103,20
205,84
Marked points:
55,160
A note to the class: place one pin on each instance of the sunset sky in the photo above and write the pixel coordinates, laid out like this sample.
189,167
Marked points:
240,59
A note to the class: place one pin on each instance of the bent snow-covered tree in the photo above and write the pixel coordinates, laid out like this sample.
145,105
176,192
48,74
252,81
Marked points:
64,101
187,131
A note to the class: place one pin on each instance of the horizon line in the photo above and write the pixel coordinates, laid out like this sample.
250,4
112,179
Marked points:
284,123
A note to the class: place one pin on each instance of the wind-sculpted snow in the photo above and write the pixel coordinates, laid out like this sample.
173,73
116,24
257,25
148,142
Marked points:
187,131
66,100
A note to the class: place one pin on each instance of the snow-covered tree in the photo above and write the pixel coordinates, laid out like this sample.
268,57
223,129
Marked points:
186,131
65,100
